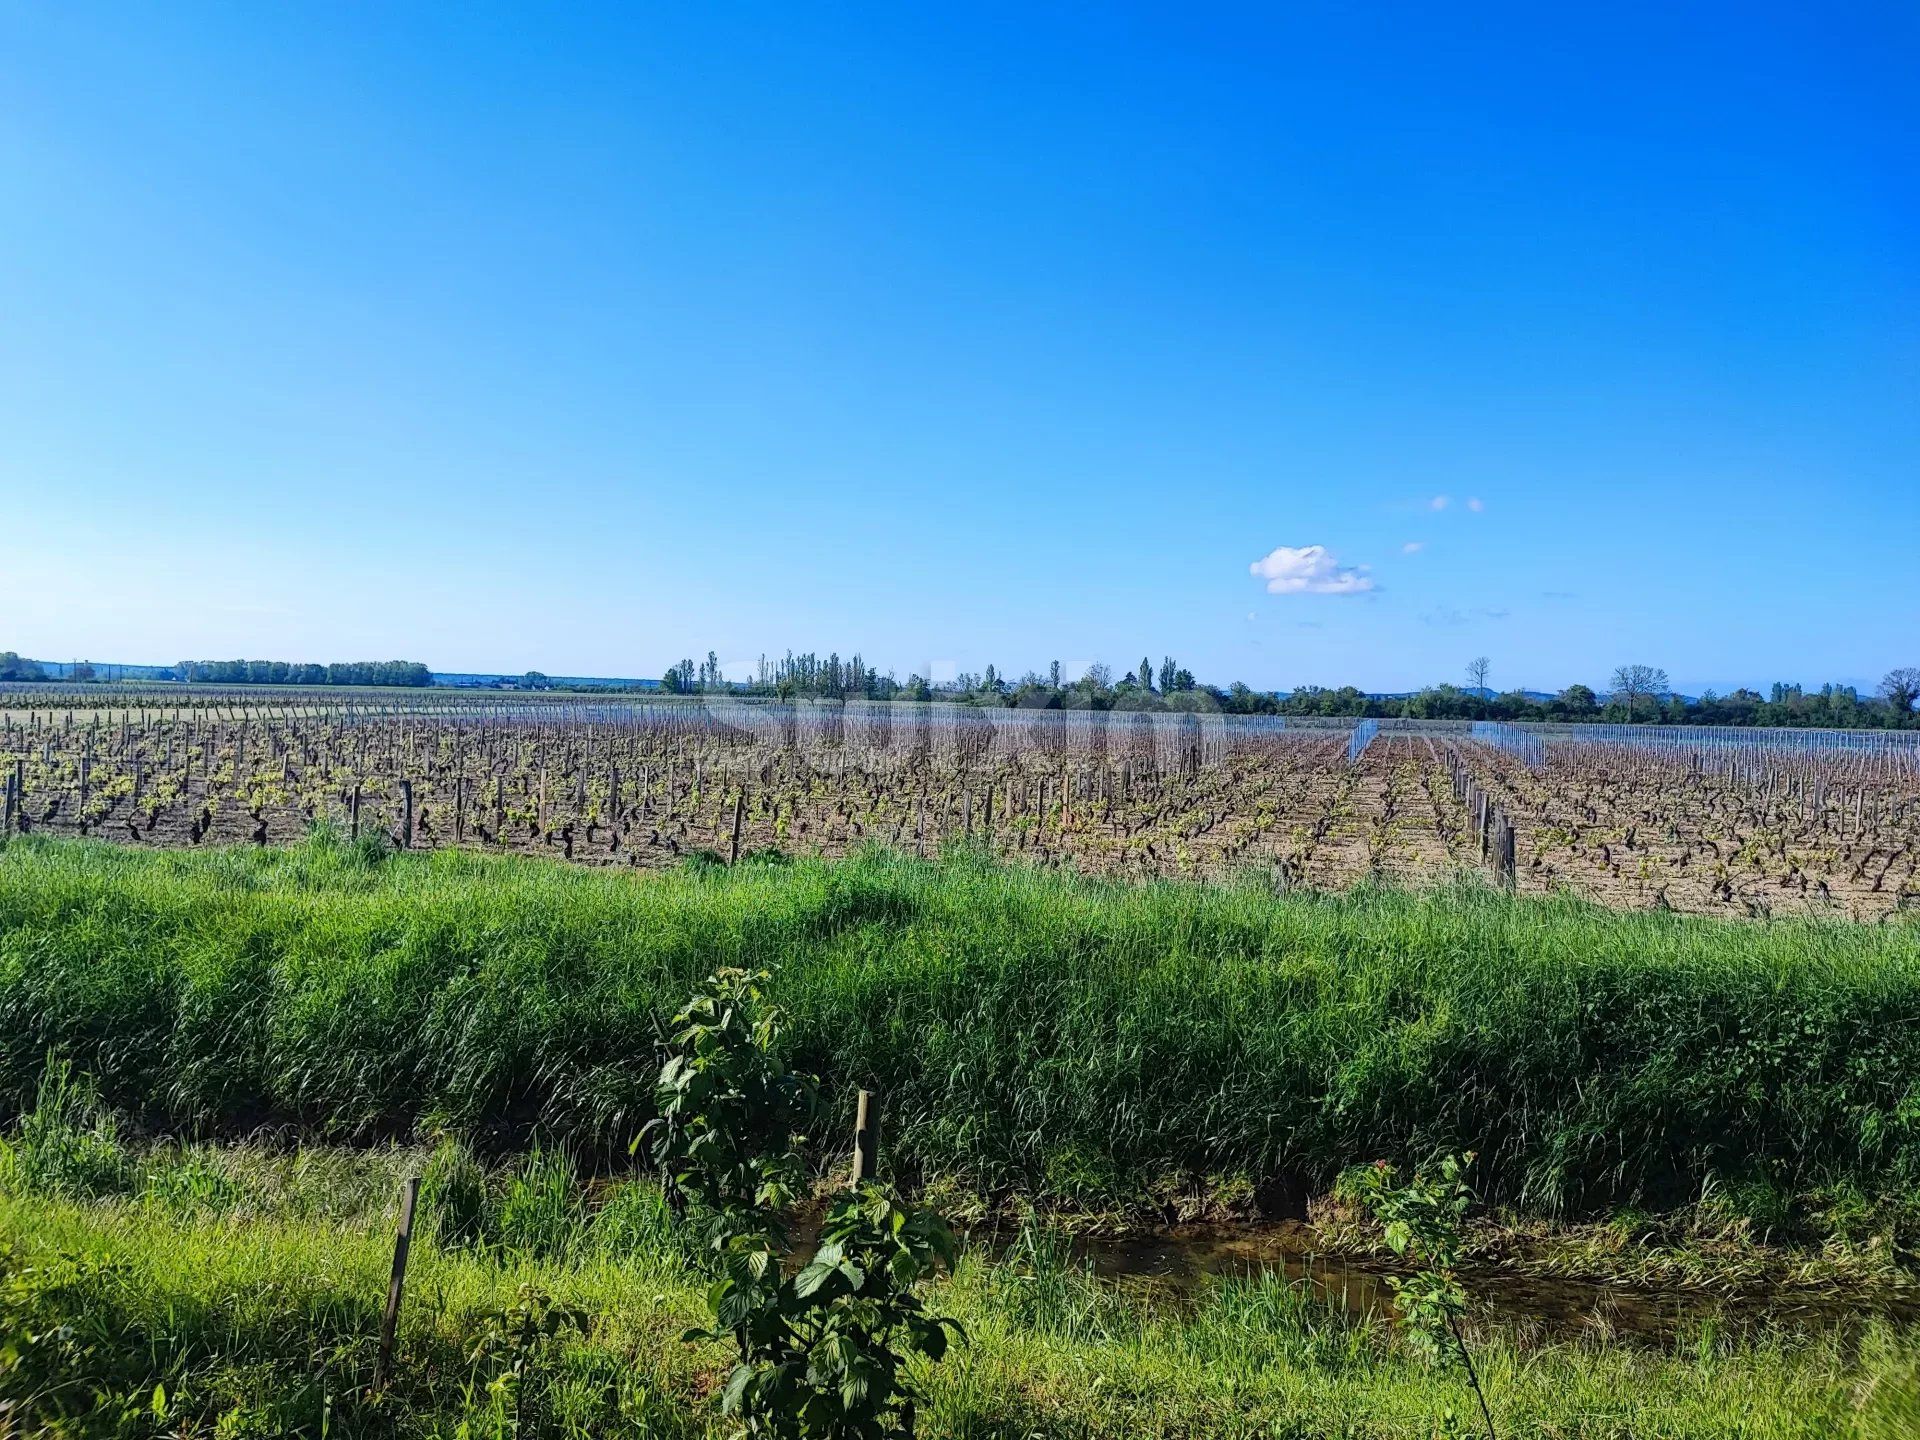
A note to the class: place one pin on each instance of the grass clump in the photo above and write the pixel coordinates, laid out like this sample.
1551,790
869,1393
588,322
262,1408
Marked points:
68,1143
1069,1040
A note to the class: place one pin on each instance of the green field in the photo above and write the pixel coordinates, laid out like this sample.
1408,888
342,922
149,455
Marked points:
1063,1040
1038,1040
236,1293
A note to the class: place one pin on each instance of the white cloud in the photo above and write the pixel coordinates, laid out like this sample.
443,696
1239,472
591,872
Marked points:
1476,504
1309,570
1440,502
1413,547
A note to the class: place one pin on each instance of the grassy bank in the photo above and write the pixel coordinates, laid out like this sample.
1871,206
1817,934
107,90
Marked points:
235,1293
1061,1038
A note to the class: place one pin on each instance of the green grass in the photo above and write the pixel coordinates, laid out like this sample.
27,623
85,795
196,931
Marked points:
236,1293
1069,1040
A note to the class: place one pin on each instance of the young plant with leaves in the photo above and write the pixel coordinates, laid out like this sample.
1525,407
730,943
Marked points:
824,1352
1423,1220
731,1112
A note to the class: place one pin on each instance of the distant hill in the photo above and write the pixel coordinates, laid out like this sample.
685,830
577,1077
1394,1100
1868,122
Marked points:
62,669
1486,693
459,680
111,671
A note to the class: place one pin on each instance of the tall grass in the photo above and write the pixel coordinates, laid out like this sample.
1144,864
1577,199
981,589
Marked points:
1068,1039
255,1316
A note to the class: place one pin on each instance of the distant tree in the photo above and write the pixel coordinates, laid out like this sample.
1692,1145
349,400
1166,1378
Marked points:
1576,702
1167,671
1900,689
82,670
1183,679
1631,682
1477,669
12,667
1516,705
1242,700
918,689
1099,676
1053,675
1146,673
1033,693
534,680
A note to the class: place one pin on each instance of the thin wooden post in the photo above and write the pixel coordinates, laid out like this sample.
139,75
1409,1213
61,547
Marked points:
402,1243
739,815
406,814
353,813
866,1138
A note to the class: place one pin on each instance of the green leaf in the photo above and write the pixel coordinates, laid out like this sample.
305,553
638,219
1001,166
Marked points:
735,1394
809,1280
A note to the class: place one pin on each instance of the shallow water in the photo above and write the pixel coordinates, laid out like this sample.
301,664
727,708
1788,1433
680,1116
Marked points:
1175,1260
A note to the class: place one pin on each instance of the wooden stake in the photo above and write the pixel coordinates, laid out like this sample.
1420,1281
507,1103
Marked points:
739,814
866,1138
402,1242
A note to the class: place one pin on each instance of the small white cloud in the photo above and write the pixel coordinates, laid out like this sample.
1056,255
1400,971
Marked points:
1413,547
1440,502
1309,570
1476,504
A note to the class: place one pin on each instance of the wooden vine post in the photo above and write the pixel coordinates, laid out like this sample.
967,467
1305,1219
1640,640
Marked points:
866,1138
402,1243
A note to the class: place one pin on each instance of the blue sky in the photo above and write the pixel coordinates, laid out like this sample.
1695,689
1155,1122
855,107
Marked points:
585,338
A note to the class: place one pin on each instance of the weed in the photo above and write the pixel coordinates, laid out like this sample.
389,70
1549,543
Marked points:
67,1144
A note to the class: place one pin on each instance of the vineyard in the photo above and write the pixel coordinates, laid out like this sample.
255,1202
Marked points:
1742,823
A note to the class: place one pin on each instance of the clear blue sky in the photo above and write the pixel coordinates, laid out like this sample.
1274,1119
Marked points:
587,337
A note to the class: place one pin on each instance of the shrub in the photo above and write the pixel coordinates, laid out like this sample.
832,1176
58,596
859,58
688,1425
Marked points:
821,1353
68,1144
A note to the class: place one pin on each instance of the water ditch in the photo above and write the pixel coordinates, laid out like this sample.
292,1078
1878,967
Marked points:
1171,1264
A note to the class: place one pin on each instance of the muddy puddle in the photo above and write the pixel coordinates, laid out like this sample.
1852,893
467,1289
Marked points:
1172,1264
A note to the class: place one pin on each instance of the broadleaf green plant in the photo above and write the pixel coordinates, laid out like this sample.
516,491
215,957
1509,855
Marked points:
1423,1219
823,1352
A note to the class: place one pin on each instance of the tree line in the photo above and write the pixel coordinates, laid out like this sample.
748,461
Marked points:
282,672
1635,694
